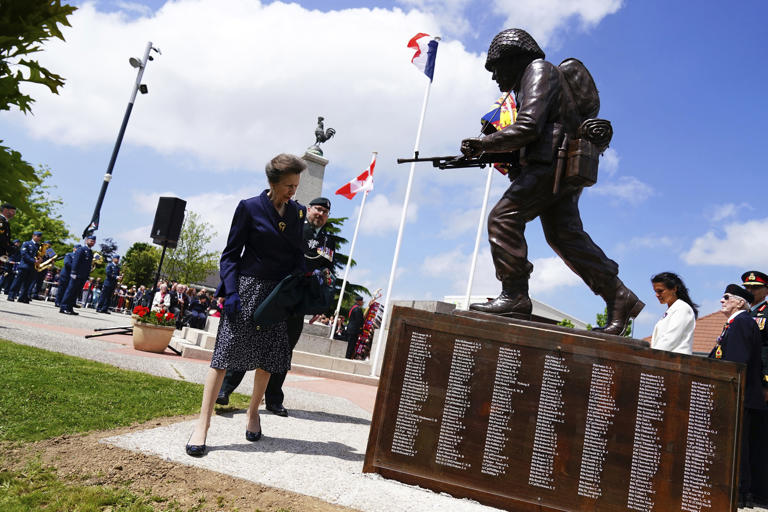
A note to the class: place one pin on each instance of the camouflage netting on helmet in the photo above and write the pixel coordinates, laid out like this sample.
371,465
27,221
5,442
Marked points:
513,41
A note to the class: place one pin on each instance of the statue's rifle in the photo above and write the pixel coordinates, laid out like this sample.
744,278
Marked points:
463,162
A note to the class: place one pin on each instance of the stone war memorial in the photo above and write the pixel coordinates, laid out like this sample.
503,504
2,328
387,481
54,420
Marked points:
494,405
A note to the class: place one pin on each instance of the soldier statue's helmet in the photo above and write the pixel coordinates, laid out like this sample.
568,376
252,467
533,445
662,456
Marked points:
513,41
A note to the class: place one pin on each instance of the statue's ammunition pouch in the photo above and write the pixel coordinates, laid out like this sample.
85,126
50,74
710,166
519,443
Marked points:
581,170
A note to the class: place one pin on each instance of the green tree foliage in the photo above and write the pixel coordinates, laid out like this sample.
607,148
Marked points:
43,215
566,323
139,265
24,26
333,228
190,262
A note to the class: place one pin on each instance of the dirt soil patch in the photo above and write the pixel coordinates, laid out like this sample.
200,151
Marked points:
82,458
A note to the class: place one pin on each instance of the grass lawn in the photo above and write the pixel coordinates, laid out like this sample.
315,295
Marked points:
46,394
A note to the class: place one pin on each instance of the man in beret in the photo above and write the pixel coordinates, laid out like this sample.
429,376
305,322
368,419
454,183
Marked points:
740,341
355,325
25,273
318,256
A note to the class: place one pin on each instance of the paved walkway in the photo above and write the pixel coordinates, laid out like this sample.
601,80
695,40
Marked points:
318,450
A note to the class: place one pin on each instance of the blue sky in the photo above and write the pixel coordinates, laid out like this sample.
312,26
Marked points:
680,188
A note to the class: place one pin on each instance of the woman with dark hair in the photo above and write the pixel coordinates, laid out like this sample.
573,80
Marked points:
265,245
674,332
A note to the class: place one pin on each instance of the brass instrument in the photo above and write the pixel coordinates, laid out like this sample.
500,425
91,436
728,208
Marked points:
48,263
40,255
98,259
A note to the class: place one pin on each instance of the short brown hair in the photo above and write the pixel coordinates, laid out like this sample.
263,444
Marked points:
284,164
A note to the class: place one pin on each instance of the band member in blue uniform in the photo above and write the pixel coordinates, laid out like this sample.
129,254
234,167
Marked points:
66,268
740,342
319,255
81,269
26,273
110,282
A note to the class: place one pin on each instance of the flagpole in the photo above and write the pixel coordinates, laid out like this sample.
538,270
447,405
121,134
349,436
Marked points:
385,314
349,259
479,233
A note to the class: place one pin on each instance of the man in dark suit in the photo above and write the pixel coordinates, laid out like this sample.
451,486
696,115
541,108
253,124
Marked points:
81,269
354,326
26,273
741,342
7,211
110,282
318,255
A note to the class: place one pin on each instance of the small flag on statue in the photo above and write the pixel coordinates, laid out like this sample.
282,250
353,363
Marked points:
362,183
426,52
503,114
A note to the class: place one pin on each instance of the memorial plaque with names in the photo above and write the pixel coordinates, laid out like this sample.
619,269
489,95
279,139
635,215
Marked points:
526,416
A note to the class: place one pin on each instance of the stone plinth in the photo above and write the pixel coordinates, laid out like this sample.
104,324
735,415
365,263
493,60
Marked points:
311,184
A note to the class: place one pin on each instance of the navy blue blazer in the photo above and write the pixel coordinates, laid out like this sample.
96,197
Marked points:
81,262
741,343
112,271
28,252
261,243
66,268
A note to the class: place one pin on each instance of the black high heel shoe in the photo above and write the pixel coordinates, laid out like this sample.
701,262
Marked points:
196,450
252,436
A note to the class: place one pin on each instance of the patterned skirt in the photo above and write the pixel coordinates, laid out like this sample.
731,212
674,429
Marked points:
241,345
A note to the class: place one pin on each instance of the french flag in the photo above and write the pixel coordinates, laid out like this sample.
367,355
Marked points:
362,183
425,53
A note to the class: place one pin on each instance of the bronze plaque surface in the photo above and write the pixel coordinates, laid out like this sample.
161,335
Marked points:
526,416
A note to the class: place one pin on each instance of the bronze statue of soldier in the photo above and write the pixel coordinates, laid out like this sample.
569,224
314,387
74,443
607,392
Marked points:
547,118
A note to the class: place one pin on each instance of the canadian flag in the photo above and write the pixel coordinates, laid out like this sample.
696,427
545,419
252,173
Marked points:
362,183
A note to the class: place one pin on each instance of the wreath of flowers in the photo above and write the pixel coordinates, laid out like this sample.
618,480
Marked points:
148,316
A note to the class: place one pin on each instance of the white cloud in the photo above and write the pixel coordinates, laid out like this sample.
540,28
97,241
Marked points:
625,189
727,211
382,216
551,274
742,244
648,242
224,100
544,18
135,7
609,162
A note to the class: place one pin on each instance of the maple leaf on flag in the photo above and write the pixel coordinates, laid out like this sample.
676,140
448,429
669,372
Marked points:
363,183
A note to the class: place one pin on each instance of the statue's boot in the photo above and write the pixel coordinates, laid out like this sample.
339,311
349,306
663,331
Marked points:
622,305
514,300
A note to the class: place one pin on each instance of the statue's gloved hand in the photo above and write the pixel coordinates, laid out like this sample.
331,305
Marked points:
232,304
472,147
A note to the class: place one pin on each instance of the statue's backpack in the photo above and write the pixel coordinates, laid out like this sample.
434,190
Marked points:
593,135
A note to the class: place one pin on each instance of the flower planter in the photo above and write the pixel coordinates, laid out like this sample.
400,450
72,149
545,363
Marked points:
151,338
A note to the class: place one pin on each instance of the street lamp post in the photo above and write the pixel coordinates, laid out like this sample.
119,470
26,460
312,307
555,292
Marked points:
137,87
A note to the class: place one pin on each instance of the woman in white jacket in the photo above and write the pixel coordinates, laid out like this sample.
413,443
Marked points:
674,332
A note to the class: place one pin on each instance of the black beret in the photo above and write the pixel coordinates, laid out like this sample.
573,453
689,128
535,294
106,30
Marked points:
321,201
8,206
357,297
737,290
754,278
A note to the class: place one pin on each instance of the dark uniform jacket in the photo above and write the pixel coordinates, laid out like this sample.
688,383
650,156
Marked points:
741,342
261,243
317,244
81,262
760,314
355,323
27,254
112,270
66,268
5,235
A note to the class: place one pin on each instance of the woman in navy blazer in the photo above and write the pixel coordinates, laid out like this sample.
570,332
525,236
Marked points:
265,245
